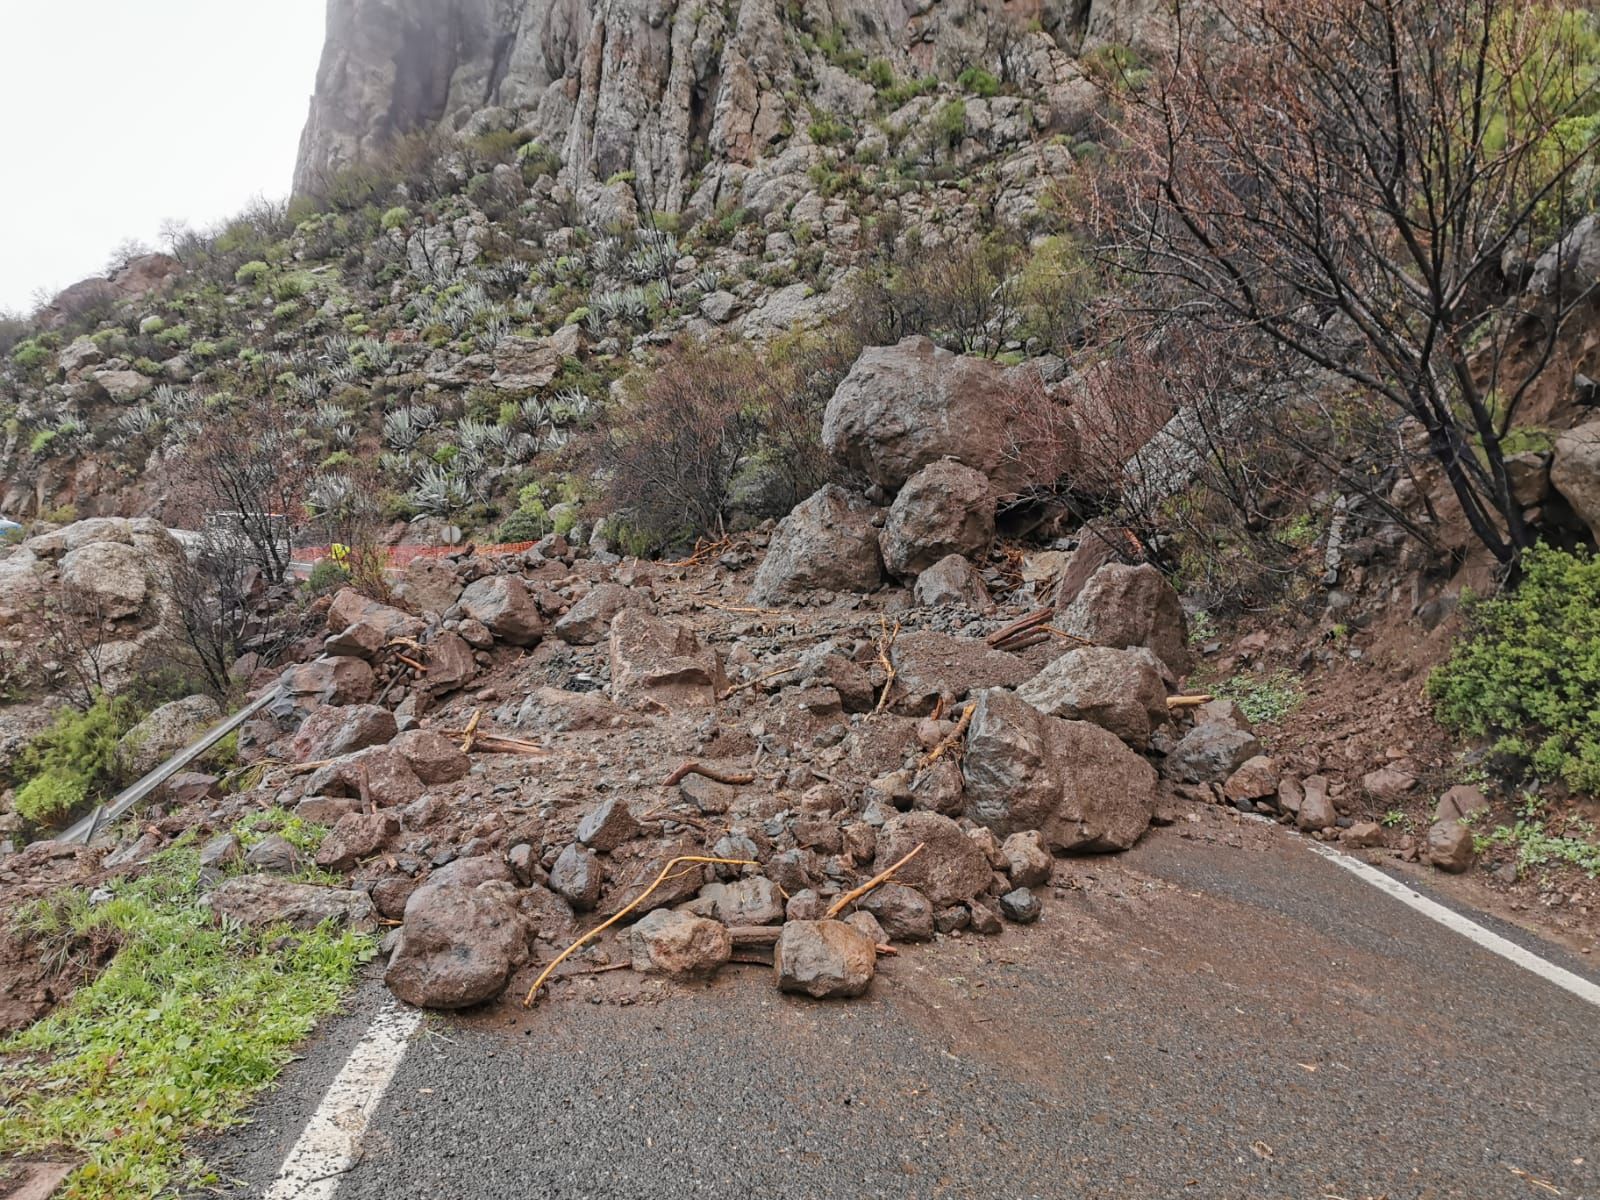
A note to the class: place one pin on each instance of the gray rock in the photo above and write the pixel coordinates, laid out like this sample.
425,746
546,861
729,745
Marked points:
329,681
589,620
221,851
275,854
577,878
1021,906
1028,859
1210,753
823,959
952,580
753,901
1575,470
504,606
662,664
828,543
1118,690
607,826
904,913
945,508
258,902
1123,606
678,944
166,731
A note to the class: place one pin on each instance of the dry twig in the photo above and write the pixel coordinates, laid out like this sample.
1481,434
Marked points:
1189,701
850,897
694,768
886,657
472,726
666,873
954,736
759,679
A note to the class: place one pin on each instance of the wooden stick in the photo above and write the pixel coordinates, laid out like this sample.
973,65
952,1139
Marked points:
621,966
1065,636
666,871
412,663
750,683
855,894
1189,701
472,725
885,647
694,768
954,736
1037,617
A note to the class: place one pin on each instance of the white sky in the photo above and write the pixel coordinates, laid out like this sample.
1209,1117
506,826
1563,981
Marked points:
122,113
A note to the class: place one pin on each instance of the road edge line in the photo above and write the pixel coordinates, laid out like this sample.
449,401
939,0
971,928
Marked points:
1467,928
330,1143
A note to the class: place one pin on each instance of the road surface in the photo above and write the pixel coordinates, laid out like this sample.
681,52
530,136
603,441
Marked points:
1188,1019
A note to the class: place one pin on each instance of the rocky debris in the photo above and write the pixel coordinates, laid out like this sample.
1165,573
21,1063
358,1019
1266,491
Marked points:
1075,783
1450,846
679,944
366,626
1027,858
1388,784
904,913
950,869
503,605
1316,810
274,854
335,730
752,901
1021,905
827,543
1257,778
953,580
589,620
1572,265
826,665
607,826
906,406
355,837
577,877
259,902
662,664
432,757
1210,753
1460,803
1123,606
221,851
458,944
1363,835
429,585
931,665
1119,690
166,731
378,775
339,680
1575,467
945,508
823,959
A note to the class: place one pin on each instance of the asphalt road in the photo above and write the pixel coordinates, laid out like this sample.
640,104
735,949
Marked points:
1189,1019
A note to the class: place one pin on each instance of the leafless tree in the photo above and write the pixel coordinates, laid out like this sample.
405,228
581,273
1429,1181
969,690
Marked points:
1342,180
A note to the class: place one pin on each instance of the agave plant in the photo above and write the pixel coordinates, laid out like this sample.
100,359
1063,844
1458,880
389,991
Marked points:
397,465
401,429
437,492
328,415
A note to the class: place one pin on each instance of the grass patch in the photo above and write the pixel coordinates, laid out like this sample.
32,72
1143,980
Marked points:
1575,844
188,1021
1262,698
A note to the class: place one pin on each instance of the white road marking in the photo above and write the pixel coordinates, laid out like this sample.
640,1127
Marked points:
1471,930
330,1144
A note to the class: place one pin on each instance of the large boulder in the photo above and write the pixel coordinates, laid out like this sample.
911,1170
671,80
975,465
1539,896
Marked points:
336,680
952,580
662,664
930,664
949,869
1123,606
433,757
1118,690
1575,472
339,729
1572,265
824,959
458,945
1210,753
1074,782
588,621
429,584
504,605
365,626
827,543
902,407
105,580
166,731
259,901
945,508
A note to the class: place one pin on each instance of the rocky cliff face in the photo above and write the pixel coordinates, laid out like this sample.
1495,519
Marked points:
686,95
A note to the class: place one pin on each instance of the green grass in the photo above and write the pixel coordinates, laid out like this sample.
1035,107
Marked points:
1263,698
1575,845
172,1039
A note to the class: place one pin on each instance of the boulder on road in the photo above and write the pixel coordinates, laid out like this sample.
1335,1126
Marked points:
827,543
1450,846
668,942
824,959
458,945
945,508
577,877
1210,753
904,913
1028,859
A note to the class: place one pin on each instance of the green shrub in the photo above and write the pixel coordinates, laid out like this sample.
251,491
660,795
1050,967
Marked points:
880,74
826,130
326,576
251,272
30,354
1526,672
41,441
74,760
950,123
979,82
285,311
396,218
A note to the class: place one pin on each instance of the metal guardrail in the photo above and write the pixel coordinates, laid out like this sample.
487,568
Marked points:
84,830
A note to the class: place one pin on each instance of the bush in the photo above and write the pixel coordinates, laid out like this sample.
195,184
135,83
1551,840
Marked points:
396,218
950,123
979,82
30,354
1526,673
326,576
825,131
73,761
251,272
